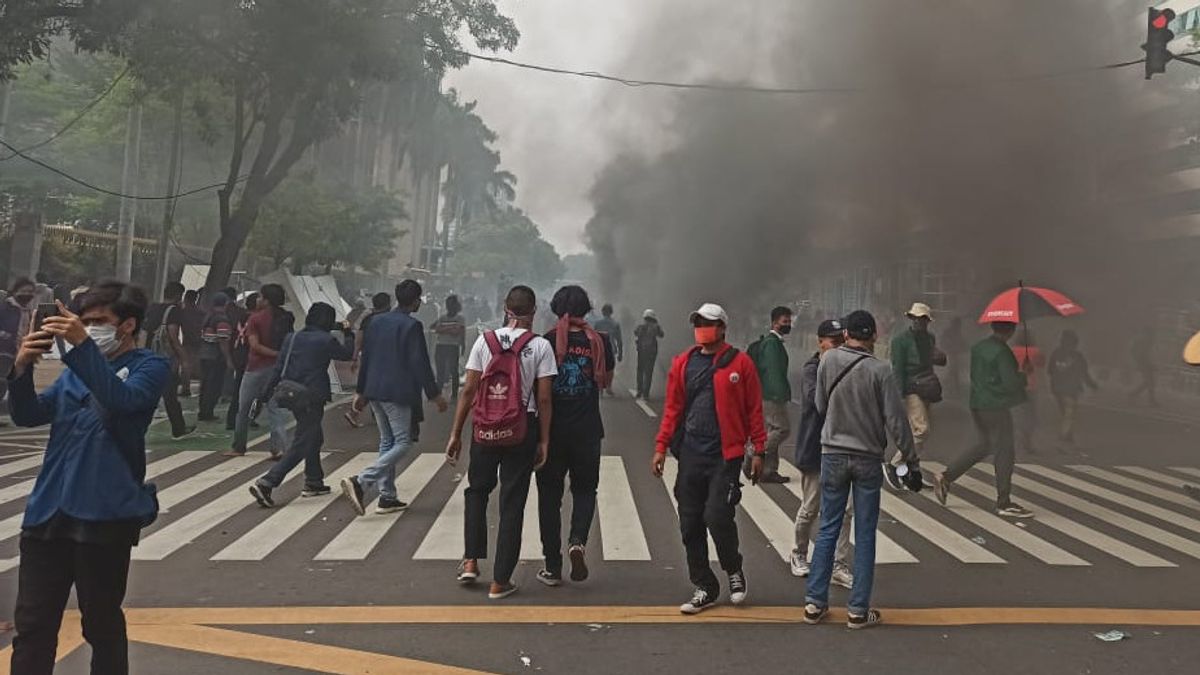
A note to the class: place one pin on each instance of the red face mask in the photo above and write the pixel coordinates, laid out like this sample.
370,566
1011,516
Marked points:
706,335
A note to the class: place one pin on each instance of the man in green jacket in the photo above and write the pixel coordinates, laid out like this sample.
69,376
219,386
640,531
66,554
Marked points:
997,386
914,353
771,359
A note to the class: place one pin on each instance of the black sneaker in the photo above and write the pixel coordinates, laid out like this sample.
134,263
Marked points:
892,478
353,491
389,505
1014,511
186,432
315,490
814,615
871,618
262,495
701,600
549,578
579,568
737,587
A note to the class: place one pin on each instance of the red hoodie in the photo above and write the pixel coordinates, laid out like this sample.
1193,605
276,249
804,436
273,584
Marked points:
738,396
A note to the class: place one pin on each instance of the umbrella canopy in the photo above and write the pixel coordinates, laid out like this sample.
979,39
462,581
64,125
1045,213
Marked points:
1027,302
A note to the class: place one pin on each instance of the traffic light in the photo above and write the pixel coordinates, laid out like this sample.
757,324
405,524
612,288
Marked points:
1158,36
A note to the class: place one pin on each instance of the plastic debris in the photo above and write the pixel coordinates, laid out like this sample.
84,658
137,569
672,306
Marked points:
526,661
593,627
979,540
457,478
1113,635
310,632
1022,525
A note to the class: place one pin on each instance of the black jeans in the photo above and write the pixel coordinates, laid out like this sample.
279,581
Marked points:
306,447
170,400
579,458
995,429
231,414
703,489
445,358
212,383
515,467
645,372
48,570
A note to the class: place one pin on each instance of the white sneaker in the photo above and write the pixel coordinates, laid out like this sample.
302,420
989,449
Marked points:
800,566
737,588
842,577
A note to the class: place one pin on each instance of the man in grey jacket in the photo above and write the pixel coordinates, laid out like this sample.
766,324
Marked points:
858,396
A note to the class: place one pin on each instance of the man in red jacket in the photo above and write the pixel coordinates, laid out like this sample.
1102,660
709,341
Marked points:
713,409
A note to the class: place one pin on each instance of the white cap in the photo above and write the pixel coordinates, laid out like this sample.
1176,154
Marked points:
649,314
711,312
919,310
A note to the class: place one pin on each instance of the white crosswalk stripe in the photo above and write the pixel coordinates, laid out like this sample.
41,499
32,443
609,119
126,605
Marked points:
1164,478
20,465
1138,486
621,533
1159,512
1195,473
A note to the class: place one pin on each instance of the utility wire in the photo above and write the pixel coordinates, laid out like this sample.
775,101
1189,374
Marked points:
793,91
114,193
74,120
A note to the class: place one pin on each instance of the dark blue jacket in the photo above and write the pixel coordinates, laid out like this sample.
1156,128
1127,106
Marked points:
808,440
309,363
395,361
99,411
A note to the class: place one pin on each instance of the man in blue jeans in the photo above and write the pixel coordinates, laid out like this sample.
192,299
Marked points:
858,395
394,370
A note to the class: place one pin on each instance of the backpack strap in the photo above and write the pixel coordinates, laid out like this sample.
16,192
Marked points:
525,338
493,342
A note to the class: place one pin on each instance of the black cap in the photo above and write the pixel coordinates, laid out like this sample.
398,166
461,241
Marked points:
830,328
860,325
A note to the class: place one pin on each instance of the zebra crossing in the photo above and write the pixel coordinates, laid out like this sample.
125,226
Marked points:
1086,515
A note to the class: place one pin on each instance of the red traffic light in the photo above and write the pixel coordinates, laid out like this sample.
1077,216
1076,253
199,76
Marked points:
1160,22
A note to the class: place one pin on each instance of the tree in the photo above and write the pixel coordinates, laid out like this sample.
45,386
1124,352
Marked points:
27,27
509,246
292,72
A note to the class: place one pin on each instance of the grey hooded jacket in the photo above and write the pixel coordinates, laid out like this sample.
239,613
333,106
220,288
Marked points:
865,410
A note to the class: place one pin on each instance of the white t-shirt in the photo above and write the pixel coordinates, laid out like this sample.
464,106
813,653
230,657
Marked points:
537,360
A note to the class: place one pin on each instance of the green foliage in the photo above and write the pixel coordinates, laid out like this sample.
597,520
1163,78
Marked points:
510,246
27,27
306,222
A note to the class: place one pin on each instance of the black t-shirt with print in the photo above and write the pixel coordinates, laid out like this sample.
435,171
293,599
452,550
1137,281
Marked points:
576,394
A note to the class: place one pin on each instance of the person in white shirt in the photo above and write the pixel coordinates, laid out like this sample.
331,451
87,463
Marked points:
511,467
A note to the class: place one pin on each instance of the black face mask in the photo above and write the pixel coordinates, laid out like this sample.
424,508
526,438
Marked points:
785,329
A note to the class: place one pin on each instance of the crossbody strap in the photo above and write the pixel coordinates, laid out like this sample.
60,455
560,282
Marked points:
842,375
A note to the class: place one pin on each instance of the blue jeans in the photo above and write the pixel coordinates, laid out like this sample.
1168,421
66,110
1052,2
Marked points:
395,438
254,385
842,474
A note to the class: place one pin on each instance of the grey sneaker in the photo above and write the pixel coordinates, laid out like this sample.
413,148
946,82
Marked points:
262,495
549,578
1014,511
842,576
737,587
799,565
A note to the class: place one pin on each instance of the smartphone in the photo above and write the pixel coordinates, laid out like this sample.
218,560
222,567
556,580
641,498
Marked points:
44,309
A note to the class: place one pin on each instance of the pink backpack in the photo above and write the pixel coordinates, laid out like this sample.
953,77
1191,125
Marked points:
499,418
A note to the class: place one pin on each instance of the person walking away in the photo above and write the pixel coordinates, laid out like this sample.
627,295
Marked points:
646,337
1069,374
16,320
191,326
611,329
1025,415
860,399
90,500
1142,351
395,371
997,386
913,354
526,445
265,332
450,332
771,358
808,461
712,411
584,360
306,358
163,326
241,356
216,356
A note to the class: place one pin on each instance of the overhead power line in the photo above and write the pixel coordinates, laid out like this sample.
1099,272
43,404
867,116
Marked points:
74,120
114,193
787,91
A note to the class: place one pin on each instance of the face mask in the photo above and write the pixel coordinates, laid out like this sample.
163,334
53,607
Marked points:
105,338
706,335
23,300
785,329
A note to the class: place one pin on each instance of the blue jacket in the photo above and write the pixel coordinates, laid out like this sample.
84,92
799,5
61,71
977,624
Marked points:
395,361
808,438
99,410
309,364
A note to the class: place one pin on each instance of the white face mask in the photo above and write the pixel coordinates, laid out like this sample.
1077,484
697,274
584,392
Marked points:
105,337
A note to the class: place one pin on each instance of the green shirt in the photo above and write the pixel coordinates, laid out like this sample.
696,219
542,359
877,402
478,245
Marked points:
996,381
771,359
911,354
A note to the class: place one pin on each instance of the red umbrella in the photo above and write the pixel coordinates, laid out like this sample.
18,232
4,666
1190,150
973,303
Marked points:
1026,302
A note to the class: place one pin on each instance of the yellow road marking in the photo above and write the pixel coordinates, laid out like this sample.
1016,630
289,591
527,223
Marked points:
70,637
283,652
524,614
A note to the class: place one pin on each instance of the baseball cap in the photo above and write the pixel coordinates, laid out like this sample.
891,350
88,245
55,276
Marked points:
859,324
920,309
830,328
712,312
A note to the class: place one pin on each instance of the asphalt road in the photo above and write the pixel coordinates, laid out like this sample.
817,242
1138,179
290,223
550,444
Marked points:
221,583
